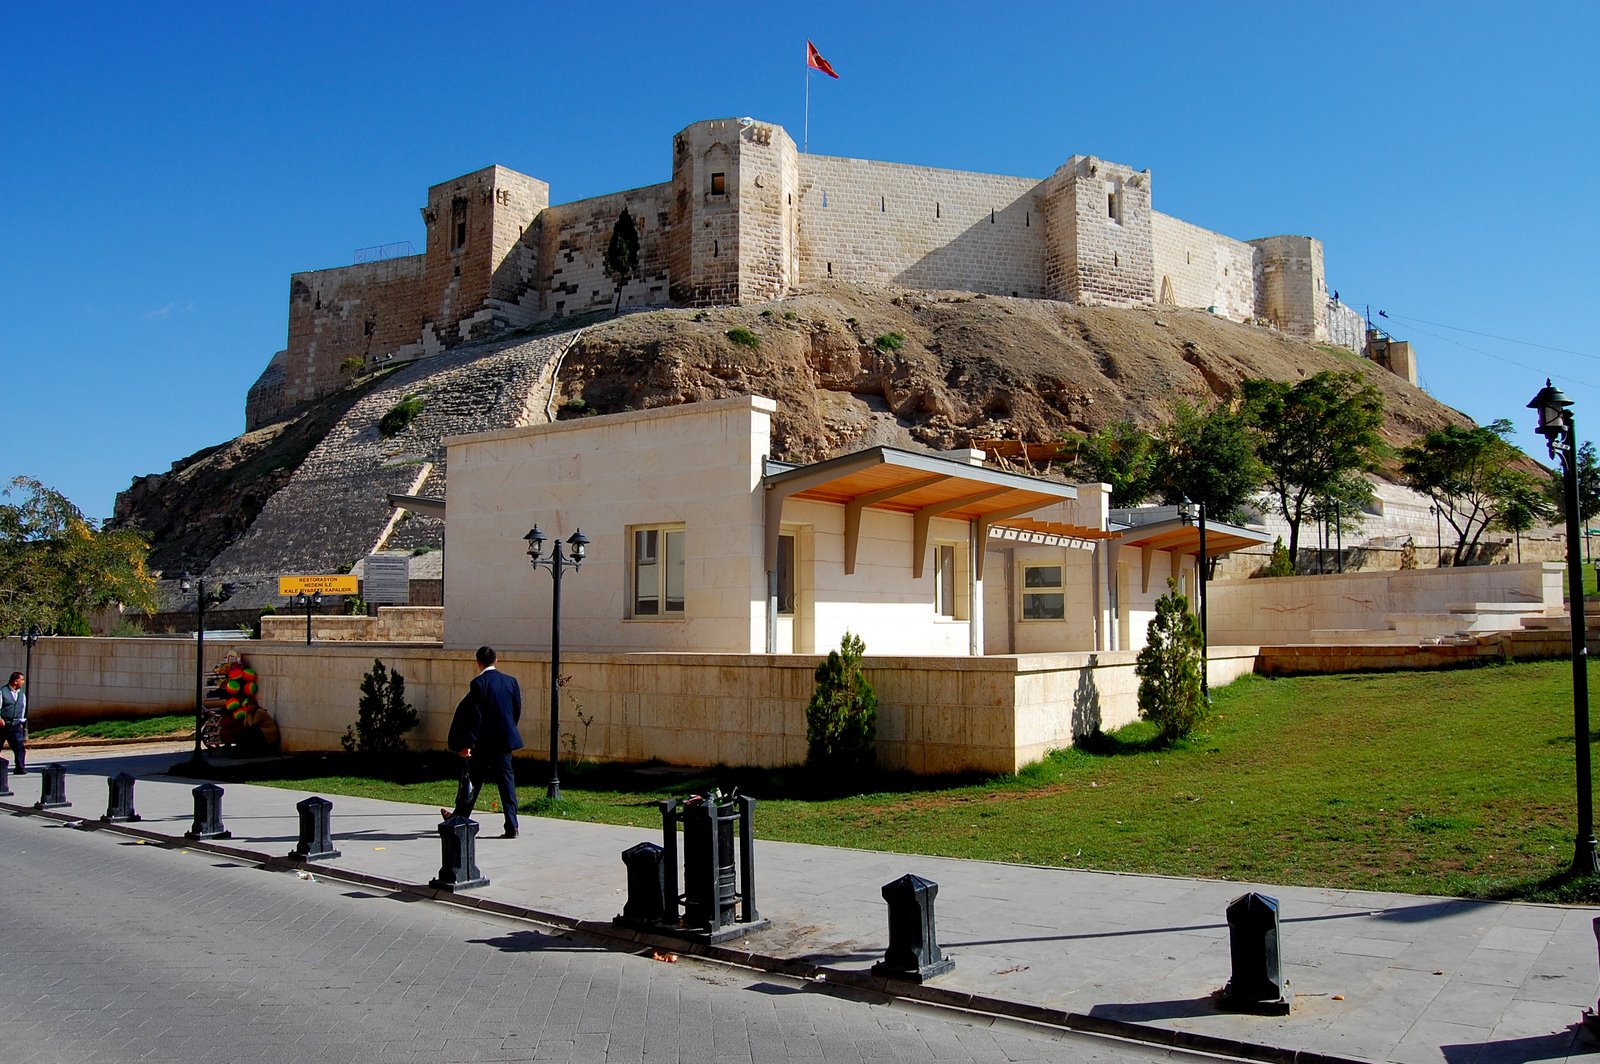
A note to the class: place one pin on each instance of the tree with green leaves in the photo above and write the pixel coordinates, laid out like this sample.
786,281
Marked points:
1121,455
622,254
383,716
1464,472
1523,504
56,567
1208,456
1588,486
1170,668
842,716
1311,433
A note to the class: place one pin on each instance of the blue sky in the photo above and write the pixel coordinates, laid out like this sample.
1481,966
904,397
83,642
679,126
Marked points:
167,167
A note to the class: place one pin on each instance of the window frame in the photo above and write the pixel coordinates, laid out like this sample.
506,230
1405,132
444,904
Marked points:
667,550
1025,591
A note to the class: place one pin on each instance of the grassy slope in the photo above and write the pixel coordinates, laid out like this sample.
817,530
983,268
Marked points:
1454,783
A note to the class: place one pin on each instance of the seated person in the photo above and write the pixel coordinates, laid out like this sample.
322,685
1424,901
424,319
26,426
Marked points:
258,733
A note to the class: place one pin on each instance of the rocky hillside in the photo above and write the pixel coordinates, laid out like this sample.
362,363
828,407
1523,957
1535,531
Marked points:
849,369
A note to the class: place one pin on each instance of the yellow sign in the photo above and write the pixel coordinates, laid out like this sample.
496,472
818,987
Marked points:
317,585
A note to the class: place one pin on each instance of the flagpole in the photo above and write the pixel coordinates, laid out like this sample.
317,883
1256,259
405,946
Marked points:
805,143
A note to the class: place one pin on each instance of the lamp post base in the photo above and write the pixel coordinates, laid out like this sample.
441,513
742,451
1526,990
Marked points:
1585,858
553,791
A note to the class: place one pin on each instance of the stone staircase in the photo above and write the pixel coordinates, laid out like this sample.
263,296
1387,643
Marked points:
334,511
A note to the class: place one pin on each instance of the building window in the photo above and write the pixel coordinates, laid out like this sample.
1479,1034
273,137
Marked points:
946,592
458,223
719,184
786,575
658,571
1043,596
1114,201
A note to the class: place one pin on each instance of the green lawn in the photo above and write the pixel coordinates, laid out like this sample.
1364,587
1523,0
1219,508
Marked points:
1437,783
178,725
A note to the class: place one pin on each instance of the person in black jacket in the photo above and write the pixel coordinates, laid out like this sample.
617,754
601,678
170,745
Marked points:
484,733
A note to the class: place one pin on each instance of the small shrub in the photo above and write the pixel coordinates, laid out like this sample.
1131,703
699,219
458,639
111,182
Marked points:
701,316
352,365
355,606
383,715
126,627
744,337
851,321
574,406
1169,669
891,341
400,415
790,315
842,716
1281,564
265,611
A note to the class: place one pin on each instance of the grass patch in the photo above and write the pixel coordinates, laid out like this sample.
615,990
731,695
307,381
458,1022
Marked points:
400,415
180,724
1456,783
890,341
744,337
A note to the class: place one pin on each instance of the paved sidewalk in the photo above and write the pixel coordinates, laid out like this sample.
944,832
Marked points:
1380,977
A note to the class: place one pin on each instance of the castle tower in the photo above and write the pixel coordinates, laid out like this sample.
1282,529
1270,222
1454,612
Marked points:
479,260
733,233
1291,289
1098,243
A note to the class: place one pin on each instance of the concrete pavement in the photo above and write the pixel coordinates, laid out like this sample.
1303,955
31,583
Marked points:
1377,977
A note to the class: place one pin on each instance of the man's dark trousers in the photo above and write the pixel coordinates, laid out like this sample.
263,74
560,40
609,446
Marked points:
17,736
488,768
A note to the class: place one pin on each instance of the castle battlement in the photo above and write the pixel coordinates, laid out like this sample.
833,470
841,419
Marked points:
746,217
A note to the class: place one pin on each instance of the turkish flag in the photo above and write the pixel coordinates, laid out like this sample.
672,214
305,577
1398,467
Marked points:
815,61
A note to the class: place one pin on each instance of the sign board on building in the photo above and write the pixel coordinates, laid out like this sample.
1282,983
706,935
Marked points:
317,585
387,579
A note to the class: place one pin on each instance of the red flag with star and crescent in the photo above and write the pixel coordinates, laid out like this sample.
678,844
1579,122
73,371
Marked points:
815,61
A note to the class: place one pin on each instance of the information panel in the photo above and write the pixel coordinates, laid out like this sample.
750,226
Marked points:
387,579
317,585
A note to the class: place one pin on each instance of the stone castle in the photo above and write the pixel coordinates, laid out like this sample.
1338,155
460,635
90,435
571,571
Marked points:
747,218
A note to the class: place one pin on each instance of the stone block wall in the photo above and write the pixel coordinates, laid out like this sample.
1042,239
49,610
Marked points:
864,222
477,252
1195,267
573,240
1291,289
1099,241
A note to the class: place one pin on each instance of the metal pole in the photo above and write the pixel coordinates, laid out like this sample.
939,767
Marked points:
307,600
1585,861
1205,633
199,663
557,563
1438,537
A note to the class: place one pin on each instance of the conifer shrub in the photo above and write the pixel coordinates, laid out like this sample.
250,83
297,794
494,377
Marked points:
383,716
1170,669
842,716
400,415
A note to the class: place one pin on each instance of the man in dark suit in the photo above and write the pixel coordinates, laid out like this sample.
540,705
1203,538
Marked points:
483,734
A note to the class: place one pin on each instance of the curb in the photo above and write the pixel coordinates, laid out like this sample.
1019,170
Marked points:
821,975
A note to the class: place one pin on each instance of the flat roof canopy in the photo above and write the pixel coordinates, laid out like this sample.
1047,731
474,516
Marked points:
924,486
1176,537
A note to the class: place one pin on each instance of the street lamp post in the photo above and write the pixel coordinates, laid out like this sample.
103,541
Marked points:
308,603
1200,569
29,638
1438,536
203,598
1556,426
557,562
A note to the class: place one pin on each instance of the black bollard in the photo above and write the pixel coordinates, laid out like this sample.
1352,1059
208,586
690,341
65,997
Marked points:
1591,1017
647,889
458,843
1257,985
913,952
5,778
208,814
53,788
119,805
316,836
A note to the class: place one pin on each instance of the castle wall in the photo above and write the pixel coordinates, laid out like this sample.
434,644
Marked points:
865,222
1099,238
359,311
1348,329
1290,288
1195,267
573,241
478,263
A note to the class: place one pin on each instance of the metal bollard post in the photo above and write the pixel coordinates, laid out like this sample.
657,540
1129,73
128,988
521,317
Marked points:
647,890
458,845
53,788
1591,1017
913,952
1257,985
119,803
5,778
316,835
208,814
669,858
